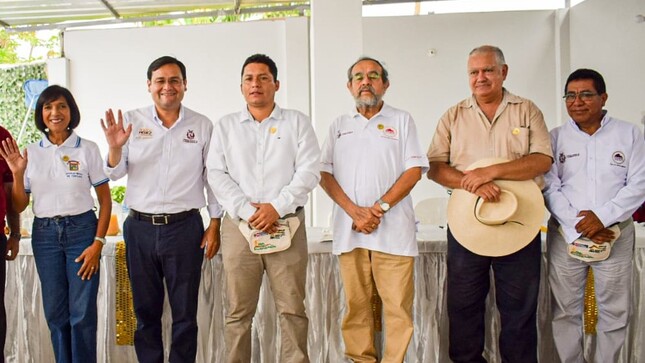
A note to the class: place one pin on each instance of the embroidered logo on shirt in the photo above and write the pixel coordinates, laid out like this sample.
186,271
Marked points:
343,133
618,159
144,133
73,165
390,132
562,158
190,137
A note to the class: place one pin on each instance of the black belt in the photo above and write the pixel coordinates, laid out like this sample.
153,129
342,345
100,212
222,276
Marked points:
162,219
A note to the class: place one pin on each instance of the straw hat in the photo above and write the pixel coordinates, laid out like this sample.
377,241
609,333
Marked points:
500,228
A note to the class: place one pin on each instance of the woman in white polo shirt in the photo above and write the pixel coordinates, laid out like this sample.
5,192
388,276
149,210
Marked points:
59,171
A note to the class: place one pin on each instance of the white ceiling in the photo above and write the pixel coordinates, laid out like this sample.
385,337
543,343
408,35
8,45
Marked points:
19,15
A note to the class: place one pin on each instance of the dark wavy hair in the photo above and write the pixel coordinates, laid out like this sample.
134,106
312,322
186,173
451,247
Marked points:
263,59
584,73
53,93
162,61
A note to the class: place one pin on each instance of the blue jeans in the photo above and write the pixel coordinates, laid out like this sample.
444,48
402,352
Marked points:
69,302
517,283
170,253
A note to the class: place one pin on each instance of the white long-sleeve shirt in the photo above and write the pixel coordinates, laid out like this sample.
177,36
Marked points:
166,167
274,161
603,172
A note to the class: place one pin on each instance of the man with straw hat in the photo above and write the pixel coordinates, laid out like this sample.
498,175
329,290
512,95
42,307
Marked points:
594,186
492,148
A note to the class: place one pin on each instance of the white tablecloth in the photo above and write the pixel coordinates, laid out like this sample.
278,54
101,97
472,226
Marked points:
28,335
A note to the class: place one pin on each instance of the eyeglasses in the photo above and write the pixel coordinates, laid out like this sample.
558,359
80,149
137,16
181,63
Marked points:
372,76
584,96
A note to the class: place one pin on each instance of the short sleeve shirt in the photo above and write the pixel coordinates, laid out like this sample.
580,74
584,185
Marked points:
464,135
366,157
60,178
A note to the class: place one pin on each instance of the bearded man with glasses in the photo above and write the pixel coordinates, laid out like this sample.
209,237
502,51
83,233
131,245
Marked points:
370,162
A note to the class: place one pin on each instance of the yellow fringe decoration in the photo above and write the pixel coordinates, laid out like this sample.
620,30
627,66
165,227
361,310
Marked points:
590,315
126,322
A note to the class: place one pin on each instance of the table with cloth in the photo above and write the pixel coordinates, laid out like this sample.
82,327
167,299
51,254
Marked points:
28,336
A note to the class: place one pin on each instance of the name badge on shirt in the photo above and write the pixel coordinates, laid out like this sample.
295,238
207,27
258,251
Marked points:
144,133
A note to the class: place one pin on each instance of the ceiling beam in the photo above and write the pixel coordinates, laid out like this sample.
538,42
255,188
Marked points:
109,7
185,15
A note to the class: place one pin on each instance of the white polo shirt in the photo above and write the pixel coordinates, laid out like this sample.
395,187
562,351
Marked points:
274,161
603,172
59,178
166,167
367,157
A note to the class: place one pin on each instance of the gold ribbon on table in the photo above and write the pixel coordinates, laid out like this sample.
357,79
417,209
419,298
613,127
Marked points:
590,315
126,322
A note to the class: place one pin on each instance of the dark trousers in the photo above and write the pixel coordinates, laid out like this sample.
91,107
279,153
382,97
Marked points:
156,253
517,280
3,313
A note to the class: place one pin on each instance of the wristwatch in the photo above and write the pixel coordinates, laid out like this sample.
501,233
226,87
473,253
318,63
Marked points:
384,206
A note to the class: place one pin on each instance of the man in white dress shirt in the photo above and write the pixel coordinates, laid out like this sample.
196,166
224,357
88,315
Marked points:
263,162
162,148
371,161
596,182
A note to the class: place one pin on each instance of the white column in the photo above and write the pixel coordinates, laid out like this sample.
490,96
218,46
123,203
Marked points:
58,71
336,39
562,41
294,80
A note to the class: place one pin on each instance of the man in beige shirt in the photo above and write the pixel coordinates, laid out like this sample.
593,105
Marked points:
491,123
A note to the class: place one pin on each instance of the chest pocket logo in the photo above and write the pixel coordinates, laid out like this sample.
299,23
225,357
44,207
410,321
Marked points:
388,132
73,165
618,157
190,137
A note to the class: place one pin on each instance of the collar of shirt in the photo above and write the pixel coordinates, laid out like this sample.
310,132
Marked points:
605,120
506,99
385,111
157,120
72,141
276,114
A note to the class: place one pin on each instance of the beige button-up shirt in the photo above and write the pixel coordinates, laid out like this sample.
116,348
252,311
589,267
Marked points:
464,135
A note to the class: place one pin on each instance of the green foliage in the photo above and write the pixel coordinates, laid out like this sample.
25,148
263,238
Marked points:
12,100
9,43
7,48
268,14
118,193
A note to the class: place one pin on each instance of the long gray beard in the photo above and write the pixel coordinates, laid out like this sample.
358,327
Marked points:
371,102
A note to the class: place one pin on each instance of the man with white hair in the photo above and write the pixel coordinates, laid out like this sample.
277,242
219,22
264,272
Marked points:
492,123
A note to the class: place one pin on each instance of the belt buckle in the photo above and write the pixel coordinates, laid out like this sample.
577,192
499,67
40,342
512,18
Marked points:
157,217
